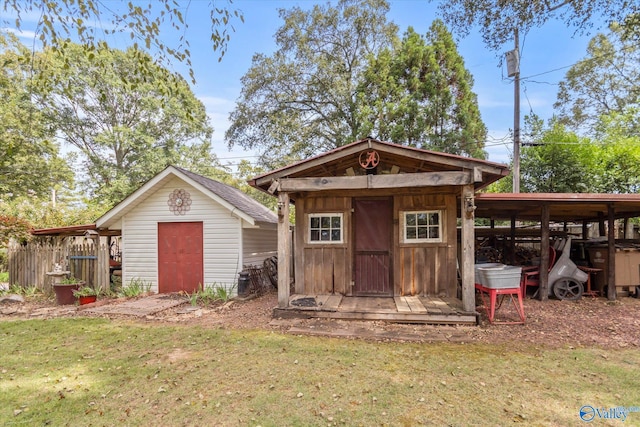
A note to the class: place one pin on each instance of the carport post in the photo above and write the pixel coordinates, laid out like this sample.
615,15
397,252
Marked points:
611,237
543,293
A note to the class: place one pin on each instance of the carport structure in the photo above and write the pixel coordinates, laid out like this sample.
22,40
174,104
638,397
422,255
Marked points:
585,208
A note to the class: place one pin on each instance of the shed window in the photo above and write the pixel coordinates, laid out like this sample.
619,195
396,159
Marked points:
422,226
325,228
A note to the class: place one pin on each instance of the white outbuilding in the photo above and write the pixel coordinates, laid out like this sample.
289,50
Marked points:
182,231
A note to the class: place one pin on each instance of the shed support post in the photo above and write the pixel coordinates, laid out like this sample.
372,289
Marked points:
512,240
468,249
628,229
543,293
611,237
284,250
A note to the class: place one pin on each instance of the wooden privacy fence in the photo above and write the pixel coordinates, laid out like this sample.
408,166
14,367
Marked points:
29,264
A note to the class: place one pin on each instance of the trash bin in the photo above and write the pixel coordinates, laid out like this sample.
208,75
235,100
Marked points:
244,283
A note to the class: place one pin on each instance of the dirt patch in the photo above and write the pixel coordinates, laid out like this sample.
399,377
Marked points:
178,354
589,322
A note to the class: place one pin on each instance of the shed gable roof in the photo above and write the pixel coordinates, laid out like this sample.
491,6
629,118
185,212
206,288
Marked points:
394,158
233,199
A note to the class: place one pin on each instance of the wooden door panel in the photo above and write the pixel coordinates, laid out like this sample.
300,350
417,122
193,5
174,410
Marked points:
372,230
180,258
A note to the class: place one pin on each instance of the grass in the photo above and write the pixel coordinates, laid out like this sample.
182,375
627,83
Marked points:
4,276
99,372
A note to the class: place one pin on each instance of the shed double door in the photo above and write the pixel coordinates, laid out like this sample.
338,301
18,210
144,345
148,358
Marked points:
180,261
373,219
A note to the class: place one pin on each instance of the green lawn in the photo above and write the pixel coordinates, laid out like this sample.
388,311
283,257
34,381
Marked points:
101,372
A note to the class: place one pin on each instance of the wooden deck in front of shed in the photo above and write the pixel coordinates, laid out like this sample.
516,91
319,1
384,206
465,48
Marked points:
401,309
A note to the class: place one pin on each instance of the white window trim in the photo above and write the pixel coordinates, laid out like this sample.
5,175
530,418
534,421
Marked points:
321,215
403,228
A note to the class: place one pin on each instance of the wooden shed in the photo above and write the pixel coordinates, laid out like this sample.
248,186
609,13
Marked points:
378,220
181,231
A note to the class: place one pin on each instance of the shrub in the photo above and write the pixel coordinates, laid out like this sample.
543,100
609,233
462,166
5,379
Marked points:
211,294
136,287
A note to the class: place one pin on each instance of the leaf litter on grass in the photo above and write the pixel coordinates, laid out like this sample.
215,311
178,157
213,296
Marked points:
138,372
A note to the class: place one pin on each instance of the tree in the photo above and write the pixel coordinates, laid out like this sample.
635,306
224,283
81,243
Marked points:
498,19
618,159
631,27
419,94
303,98
12,227
29,159
606,81
556,160
127,132
245,172
90,22
40,212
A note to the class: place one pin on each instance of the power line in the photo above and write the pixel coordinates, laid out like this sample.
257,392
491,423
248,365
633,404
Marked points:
594,58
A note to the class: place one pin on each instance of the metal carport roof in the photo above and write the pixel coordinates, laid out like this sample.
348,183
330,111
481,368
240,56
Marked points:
577,207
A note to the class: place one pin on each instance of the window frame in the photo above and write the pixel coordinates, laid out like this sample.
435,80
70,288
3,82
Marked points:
403,228
330,215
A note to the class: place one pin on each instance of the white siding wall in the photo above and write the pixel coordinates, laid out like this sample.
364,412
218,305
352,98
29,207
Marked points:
221,240
259,244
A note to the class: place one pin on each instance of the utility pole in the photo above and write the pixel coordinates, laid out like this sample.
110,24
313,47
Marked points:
513,67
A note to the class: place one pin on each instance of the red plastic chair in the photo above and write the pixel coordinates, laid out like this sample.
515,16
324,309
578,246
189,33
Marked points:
531,275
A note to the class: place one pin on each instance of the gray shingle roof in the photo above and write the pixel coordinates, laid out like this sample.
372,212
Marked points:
235,197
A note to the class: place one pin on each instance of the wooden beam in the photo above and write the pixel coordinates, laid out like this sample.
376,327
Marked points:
611,237
477,175
284,250
273,187
423,179
468,251
543,294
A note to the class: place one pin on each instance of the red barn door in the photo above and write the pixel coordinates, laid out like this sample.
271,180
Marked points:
180,258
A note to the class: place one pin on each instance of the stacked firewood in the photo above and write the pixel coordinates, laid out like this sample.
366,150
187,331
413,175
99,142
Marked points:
526,256
488,254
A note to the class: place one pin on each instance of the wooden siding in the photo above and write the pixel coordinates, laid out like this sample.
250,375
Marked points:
221,240
258,244
418,268
427,268
322,268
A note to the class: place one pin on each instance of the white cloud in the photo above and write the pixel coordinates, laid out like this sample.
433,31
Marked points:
23,34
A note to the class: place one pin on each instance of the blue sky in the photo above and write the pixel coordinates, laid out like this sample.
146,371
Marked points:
553,47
